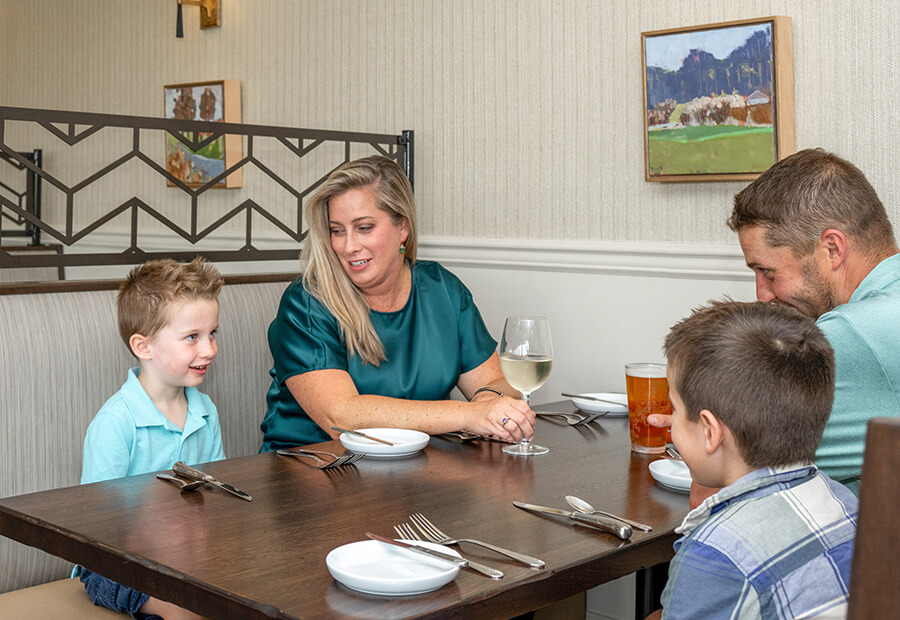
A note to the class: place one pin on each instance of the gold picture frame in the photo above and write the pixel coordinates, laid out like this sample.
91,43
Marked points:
718,100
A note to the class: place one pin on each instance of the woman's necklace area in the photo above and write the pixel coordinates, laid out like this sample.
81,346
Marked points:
396,298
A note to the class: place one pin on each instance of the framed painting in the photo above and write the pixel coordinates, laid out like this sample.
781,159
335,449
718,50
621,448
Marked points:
214,102
718,100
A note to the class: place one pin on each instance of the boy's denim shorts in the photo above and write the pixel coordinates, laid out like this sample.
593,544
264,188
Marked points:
107,593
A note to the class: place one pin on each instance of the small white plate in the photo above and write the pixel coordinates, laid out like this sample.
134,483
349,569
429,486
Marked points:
406,442
672,474
375,567
595,406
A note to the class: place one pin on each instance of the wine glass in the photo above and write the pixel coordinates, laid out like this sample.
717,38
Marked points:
526,357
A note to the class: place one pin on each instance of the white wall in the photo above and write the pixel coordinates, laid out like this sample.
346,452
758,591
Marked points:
608,304
527,112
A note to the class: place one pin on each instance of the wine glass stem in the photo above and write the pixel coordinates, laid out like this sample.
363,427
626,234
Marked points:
527,398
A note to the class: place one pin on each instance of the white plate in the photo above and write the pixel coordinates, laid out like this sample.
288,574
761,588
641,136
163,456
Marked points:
375,567
406,442
672,474
594,406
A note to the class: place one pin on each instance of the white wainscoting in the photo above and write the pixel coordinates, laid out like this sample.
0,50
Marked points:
608,303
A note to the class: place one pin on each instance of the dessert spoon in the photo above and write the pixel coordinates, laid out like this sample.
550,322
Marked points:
582,506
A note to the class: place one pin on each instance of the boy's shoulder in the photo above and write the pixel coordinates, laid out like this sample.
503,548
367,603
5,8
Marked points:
757,532
775,508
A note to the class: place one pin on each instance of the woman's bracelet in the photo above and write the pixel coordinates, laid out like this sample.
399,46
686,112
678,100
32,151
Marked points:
487,388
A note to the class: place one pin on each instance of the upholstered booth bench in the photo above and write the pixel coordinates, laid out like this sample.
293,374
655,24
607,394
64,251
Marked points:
60,359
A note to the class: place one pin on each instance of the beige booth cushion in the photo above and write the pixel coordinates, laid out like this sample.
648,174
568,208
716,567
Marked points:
61,358
64,598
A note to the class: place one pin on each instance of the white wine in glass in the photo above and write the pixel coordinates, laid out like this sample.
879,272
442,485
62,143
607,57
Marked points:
526,357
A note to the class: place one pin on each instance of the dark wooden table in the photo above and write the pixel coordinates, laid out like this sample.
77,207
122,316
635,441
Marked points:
223,557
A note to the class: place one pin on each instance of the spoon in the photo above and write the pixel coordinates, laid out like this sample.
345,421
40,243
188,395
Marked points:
582,506
184,485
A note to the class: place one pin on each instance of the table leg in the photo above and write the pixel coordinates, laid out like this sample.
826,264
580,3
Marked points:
648,589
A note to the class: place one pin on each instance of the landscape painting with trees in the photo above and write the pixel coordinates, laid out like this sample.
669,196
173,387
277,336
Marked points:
713,98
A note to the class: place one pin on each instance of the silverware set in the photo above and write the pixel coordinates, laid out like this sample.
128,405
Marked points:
573,419
347,458
673,452
422,529
184,485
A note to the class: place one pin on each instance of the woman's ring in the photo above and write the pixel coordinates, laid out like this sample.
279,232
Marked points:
505,420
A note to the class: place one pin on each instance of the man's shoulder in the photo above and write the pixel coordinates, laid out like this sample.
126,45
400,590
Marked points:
874,307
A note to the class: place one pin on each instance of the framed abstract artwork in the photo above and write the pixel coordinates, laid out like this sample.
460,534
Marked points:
718,100
214,102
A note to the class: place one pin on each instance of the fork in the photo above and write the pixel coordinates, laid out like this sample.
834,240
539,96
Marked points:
435,535
339,461
573,419
404,530
673,452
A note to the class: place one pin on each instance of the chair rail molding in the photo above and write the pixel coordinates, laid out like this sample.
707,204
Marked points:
700,261
695,261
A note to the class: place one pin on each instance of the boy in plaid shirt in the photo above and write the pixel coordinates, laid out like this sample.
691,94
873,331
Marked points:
751,386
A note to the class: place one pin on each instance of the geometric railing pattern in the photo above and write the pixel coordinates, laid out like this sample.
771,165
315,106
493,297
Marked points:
281,167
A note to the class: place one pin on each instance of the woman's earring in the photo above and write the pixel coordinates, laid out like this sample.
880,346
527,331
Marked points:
403,248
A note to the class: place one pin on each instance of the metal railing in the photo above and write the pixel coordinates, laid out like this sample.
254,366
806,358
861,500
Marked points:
67,135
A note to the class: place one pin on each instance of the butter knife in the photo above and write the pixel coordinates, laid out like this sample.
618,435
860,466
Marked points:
187,471
622,530
586,397
358,434
493,573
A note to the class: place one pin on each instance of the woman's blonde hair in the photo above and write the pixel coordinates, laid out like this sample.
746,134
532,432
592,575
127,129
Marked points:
323,275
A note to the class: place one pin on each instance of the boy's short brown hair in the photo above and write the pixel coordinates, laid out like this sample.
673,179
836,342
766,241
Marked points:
150,289
765,370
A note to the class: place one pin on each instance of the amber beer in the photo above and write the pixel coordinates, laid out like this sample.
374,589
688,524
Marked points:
648,392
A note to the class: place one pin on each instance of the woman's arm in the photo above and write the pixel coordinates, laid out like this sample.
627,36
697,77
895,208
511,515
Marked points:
330,398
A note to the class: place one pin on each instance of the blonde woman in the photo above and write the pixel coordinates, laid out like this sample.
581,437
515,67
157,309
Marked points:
370,337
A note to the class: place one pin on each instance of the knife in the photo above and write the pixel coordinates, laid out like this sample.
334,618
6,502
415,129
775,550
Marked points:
358,434
493,573
187,471
586,397
602,523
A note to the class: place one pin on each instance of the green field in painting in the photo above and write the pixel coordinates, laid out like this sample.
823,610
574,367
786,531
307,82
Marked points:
711,150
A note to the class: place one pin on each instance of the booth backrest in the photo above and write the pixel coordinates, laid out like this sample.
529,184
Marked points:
61,358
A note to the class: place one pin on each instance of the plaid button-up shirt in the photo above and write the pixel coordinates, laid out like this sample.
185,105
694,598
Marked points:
778,543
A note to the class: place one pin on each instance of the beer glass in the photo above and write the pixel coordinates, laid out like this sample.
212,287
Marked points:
648,392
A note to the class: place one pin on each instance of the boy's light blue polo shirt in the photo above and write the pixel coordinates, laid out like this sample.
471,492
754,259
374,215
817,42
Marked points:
129,435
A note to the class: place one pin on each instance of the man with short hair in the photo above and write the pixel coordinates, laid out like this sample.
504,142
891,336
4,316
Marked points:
818,239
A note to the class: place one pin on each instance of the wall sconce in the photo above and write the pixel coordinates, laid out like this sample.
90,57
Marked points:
210,14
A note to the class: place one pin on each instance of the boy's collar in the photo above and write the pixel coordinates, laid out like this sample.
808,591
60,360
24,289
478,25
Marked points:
147,414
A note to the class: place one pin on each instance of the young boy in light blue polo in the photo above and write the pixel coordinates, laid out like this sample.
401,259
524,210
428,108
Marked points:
168,315
751,386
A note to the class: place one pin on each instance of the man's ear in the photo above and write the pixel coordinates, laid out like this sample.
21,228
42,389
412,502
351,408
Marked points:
834,242
140,346
713,431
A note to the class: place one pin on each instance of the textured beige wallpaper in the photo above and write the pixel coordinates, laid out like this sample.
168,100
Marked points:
527,113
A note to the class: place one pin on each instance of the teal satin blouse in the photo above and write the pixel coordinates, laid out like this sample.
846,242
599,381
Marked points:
437,336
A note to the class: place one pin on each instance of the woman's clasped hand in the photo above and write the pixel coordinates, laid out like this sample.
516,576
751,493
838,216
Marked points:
371,337
504,418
